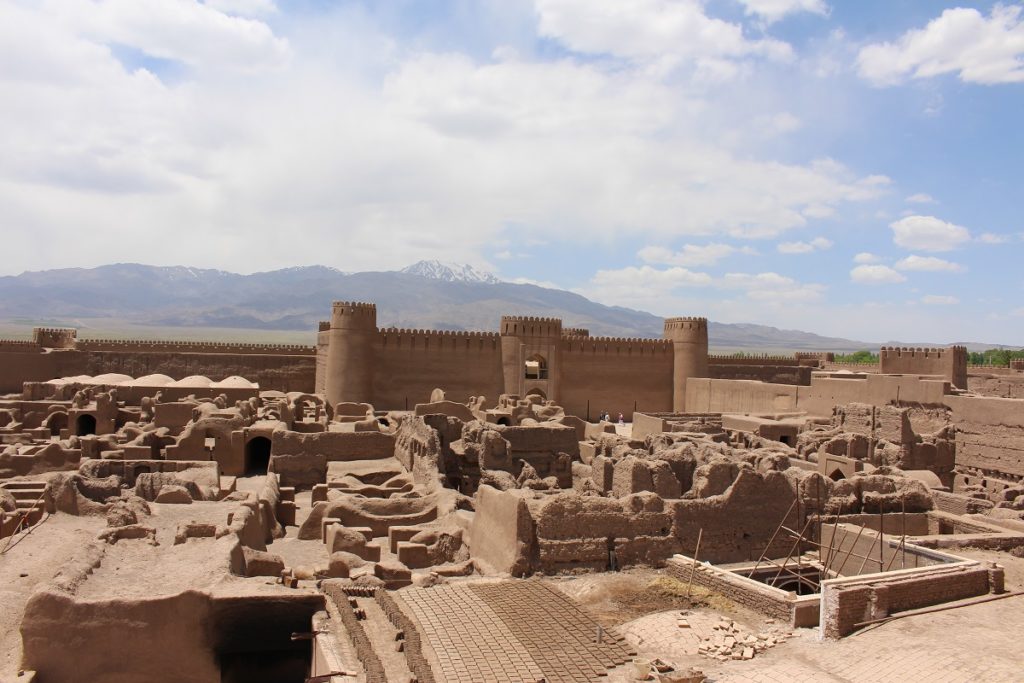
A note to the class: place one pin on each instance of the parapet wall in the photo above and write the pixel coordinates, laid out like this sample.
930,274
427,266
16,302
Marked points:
717,359
616,375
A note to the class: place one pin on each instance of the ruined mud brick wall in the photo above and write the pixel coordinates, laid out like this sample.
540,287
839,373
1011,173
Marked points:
300,459
738,396
615,375
990,436
878,390
418,449
950,363
957,504
747,592
502,535
832,366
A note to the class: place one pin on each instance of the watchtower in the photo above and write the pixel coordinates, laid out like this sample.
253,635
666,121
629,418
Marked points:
350,357
689,337
530,354
55,337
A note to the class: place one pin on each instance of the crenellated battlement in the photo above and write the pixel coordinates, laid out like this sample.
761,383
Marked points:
530,326
354,315
617,345
323,326
918,352
55,337
19,345
438,339
575,332
165,346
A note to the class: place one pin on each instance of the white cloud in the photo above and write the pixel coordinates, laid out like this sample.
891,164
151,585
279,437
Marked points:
920,198
691,254
993,238
245,8
351,136
876,275
928,263
772,287
773,10
184,30
961,40
928,233
651,30
817,244
866,257
937,300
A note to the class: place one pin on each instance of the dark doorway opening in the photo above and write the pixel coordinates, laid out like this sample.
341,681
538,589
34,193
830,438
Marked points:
257,455
57,422
254,641
837,475
86,424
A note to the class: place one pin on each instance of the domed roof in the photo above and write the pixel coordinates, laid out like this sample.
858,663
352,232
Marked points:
156,380
110,378
235,382
194,381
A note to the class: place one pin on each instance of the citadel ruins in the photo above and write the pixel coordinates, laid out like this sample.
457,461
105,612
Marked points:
416,505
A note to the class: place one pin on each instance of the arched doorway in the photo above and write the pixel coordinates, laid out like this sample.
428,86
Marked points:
86,424
836,475
537,392
257,455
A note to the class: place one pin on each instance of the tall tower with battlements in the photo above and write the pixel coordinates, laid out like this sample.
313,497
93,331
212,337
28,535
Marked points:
530,355
689,337
350,359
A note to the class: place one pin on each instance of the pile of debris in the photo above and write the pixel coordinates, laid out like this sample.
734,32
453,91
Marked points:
731,642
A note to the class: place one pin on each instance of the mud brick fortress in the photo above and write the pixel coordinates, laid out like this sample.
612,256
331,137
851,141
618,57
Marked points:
357,361
414,505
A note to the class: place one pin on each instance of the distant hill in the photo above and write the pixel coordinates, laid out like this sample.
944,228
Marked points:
428,295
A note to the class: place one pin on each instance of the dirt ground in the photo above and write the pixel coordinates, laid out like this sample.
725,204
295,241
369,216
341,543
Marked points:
32,559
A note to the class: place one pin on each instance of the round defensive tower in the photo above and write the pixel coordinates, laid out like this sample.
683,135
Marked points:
526,338
689,337
350,361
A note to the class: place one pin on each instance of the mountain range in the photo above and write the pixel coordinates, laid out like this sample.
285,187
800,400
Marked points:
426,295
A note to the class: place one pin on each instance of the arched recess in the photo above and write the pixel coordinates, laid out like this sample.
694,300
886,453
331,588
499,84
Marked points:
537,392
86,424
535,367
257,455
56,422
836,475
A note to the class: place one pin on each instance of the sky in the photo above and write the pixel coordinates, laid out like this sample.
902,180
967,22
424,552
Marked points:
846,168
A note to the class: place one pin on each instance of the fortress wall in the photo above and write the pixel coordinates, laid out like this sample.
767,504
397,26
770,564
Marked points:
715,359
615,374
22,361
773,374
158,346
409,364
278,372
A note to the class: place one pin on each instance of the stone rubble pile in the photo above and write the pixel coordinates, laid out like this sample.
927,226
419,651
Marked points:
731,642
